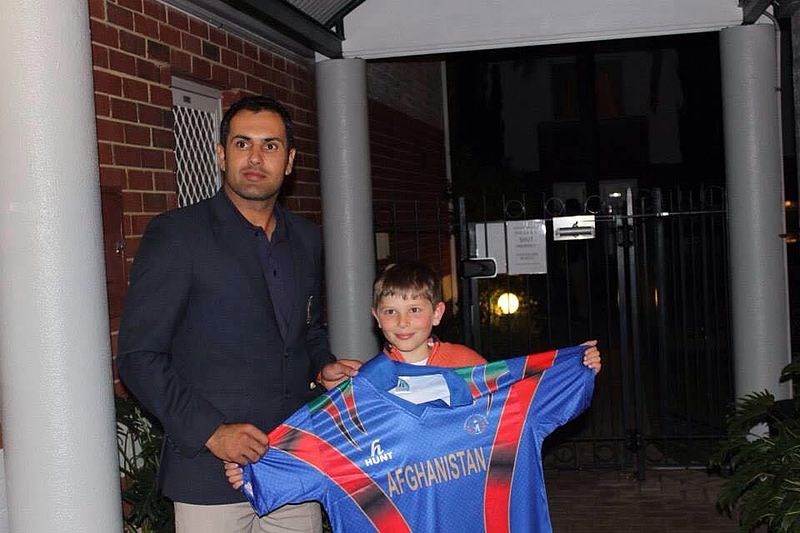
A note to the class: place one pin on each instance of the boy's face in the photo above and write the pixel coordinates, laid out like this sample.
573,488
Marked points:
407,323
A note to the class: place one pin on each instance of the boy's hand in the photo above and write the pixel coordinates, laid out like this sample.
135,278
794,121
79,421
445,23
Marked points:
235,475
334,373
238,443
591,356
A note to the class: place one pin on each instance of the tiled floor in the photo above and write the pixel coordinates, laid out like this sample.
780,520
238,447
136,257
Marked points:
612,501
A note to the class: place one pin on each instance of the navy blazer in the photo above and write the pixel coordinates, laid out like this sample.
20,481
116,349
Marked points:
199,344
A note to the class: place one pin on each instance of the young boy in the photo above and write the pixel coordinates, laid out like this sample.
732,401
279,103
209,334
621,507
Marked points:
407,304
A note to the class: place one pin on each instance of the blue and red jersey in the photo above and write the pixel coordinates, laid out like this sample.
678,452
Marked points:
466,457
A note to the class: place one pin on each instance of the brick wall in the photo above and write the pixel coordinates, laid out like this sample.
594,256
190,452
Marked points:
413,88
409,181
137,46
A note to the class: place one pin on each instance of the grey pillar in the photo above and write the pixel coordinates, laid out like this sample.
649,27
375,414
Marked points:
793,8
61,460
346,205
759,292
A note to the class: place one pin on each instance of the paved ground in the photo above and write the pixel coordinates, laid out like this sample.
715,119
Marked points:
611,501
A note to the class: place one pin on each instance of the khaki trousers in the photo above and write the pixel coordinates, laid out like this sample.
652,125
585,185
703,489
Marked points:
240,518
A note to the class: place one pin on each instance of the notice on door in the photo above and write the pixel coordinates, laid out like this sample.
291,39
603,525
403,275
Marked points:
518,246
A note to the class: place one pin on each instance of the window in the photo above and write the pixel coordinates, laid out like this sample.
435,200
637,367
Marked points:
564,87
564,90
197,113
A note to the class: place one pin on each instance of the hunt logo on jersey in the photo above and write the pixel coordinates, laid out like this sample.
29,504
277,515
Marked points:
402,386
476,424
376,454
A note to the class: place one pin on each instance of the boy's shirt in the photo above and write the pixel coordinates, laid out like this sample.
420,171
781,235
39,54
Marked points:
442,354
468,459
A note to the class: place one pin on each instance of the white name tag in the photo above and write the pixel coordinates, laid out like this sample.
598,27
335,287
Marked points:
421,389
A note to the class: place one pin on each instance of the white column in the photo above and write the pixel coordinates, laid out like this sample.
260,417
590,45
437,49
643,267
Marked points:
61,462
3,498
759,294
346,205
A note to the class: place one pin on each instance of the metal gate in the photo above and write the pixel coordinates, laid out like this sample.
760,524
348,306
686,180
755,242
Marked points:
652,287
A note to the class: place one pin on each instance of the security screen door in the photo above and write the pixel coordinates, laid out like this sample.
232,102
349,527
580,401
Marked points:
197,113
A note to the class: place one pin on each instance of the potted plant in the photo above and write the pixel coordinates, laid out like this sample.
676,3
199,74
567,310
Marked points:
139,445
760,461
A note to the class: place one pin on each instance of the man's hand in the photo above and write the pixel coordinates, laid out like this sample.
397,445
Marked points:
591,356
334,373
234,474
238,443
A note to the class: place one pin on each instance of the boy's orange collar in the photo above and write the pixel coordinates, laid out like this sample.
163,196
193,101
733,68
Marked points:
395,355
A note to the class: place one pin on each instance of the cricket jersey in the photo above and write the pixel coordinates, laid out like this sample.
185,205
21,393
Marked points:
404,448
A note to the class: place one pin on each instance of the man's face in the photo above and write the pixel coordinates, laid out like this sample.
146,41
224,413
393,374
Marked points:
255,157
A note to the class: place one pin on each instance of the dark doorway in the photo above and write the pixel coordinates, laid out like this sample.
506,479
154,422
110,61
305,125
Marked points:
630,132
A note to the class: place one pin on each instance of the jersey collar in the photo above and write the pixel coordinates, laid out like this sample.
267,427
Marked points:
382,373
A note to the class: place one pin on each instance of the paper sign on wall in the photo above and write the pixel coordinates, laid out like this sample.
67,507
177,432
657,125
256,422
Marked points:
525,241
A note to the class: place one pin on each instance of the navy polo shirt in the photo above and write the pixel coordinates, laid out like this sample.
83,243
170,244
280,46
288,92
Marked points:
275,258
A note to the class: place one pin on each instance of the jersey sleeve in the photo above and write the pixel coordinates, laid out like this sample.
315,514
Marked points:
285,474
565,391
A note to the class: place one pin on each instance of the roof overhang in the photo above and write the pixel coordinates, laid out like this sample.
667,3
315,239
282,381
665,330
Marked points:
292,22
753,9
300,26
387,28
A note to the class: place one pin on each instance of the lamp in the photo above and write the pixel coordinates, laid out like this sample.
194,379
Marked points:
507,304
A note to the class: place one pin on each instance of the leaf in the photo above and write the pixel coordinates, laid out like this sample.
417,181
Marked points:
791,371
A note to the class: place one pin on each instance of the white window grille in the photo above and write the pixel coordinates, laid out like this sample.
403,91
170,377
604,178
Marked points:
197,113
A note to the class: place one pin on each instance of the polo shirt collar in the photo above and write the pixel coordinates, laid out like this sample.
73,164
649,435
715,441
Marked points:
279,234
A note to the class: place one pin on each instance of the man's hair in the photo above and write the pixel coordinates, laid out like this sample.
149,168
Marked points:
256,104
407,279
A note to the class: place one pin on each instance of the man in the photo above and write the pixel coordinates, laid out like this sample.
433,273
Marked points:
221,333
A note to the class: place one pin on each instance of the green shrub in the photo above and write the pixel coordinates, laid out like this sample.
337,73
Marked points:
139,445
760,461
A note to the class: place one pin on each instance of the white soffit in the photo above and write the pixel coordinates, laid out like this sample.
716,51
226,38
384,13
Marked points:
392,28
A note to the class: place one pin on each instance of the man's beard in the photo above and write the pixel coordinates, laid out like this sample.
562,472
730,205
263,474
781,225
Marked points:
259,196
254,192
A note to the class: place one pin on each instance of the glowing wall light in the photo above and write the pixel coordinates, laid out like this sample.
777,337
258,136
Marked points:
507,304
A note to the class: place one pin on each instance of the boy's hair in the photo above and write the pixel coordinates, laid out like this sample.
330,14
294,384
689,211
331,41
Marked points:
407,278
